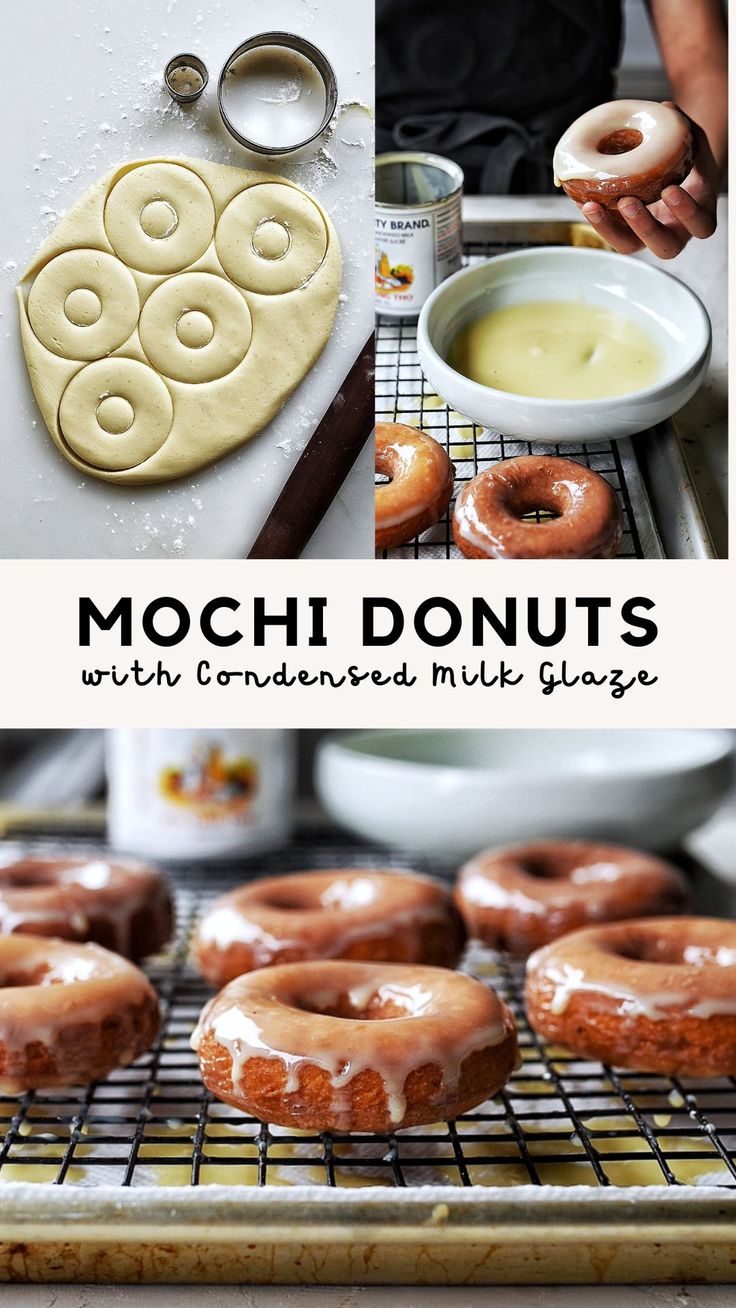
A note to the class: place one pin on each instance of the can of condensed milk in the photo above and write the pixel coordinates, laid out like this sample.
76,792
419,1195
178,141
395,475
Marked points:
418,229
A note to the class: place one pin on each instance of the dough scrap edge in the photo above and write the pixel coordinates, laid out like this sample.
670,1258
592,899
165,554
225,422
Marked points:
301,321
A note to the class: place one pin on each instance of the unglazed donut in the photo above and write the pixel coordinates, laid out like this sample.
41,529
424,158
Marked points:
657,995
344,1046
522,896
626,147
69,1013
344,913
120,904
489,517
421,485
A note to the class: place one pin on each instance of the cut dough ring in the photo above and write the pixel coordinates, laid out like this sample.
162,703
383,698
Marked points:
143,201
285,238
285,41
131,393
105,308
196,327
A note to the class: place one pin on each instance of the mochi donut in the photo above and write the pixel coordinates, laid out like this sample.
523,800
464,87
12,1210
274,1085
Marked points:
172,311
626,147
421,481
346,1046
654,995
491,516
69,1013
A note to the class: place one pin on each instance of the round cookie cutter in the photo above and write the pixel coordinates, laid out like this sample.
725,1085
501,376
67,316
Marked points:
183,63
313,55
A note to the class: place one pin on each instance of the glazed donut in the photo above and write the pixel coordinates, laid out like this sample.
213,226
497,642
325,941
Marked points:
271,238
195,327
657,995
84,304
336,1046
626,147
116,413
120,904
344,913
520,897
489,518
159,217
421,485
69,1013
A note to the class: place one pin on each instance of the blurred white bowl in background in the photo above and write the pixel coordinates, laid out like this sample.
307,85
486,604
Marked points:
446,794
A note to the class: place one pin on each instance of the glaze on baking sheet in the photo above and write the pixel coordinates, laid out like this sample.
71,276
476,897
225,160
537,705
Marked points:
172,312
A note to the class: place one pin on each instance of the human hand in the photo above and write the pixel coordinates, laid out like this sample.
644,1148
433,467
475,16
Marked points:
665,227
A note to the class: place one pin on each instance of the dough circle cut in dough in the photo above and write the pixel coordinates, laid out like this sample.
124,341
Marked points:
159,218
84,304
271,238
115,413
195,327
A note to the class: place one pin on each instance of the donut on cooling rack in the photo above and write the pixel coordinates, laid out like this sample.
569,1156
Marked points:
522,896
421,481
356,913
117,903
345,1046
657,995
69,1013
627,147
491,518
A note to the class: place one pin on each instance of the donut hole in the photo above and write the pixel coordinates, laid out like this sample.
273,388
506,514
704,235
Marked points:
379,1006
83,307
271,240
542,869
674,952
620,141
195,329
159,219
26,876
536,508
115,415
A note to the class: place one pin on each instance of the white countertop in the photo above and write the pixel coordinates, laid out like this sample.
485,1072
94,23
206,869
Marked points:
83,92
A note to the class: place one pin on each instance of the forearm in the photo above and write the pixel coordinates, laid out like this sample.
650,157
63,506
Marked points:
693,41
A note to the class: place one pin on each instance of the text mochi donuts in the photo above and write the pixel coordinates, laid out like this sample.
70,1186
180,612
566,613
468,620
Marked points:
171,313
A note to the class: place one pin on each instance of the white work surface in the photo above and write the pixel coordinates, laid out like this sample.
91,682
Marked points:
84,92
703,266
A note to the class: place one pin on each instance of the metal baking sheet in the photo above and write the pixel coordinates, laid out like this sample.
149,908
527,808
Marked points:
575,1172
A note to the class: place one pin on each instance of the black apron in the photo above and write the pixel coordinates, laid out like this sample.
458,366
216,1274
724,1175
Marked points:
492,85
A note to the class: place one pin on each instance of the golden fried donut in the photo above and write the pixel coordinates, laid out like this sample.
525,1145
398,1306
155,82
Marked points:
657,995
490,511
420,486
626,147
344,1046
523,896
376,916
122,905
69,1013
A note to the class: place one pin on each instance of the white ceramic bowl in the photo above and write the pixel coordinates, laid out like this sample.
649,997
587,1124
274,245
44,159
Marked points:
656,300
447,794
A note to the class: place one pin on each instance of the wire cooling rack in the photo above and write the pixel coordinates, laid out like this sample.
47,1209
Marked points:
560,1121
404,395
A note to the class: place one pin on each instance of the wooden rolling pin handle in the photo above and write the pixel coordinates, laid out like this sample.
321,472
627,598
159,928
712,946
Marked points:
323,465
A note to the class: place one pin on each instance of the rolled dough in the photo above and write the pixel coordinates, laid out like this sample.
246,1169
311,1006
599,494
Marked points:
171,313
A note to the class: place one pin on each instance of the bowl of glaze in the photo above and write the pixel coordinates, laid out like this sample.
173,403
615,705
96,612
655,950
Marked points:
668,312
447,794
